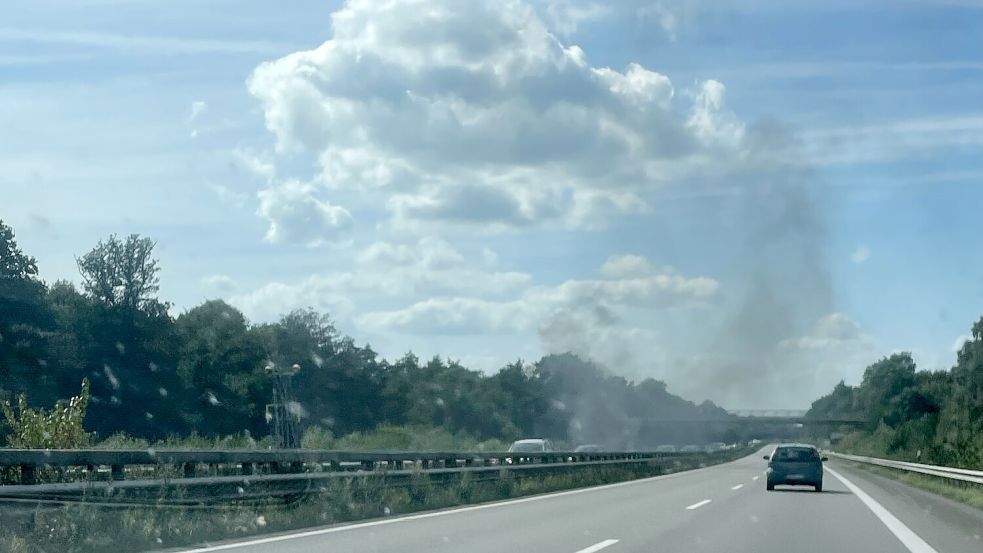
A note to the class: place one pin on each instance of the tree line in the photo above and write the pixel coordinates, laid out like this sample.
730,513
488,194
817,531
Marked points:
932,416
207,370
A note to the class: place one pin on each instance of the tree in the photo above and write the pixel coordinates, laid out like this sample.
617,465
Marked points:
882,383
122,273
14,263
221,364
25,321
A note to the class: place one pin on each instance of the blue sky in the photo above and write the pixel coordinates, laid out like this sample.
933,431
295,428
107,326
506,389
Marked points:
748,200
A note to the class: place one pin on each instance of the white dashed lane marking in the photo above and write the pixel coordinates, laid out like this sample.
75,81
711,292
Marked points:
698,504
598,546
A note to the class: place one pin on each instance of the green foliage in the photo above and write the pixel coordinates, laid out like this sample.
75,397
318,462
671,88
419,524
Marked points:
14,263
413,437
58,428
203,374
122,273
316,437
82,528
933,417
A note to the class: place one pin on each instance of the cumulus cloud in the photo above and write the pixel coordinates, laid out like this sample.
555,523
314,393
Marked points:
483,115
450,316
621,266
564,16
259,165
295,214
389,271
833,330
546,306
219,283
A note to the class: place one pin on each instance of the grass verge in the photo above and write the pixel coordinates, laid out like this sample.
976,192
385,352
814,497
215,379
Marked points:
968,493
85,528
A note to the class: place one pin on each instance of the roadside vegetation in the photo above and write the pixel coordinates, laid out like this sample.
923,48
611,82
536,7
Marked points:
932,417
962,492
196,377
85,528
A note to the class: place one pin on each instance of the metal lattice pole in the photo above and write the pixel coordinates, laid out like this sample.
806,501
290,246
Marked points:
283,422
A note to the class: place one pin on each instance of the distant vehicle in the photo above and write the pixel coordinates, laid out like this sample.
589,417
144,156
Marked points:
795,465
715,447
666,448
537,445
754,442
690,449
588,448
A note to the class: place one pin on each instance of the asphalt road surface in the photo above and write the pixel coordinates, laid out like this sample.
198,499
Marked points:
720,509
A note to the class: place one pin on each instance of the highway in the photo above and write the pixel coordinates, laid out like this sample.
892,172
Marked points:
723,508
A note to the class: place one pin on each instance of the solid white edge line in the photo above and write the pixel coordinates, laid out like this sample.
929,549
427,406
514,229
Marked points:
698,504
908,537
358,525
737,487
598,546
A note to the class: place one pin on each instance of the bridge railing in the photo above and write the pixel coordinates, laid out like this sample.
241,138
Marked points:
91,464
951,473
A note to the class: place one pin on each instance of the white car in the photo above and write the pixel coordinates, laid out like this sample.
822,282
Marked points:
536,445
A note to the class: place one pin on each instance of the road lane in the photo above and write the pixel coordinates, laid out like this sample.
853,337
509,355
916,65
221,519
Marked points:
640,516
947,525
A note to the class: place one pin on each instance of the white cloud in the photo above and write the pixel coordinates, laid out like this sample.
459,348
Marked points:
664,15
198,107
296,215
260,165
220,283
541,305
449,316
621,266
564,16
861,254
482,116
890,140
833,330
391,272
960,341
229,196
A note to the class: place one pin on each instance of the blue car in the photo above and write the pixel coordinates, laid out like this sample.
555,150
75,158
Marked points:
795,465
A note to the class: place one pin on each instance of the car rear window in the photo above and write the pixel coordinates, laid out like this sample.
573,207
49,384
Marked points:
526,447
796,454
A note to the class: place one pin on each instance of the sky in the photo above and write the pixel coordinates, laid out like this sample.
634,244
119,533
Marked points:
748,200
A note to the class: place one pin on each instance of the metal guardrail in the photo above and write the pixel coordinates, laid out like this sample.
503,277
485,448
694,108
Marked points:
962,475
85,463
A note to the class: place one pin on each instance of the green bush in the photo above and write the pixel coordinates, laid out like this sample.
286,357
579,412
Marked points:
38,428
317,437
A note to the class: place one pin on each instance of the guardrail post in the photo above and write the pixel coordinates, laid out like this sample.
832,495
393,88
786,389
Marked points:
27,474
116,472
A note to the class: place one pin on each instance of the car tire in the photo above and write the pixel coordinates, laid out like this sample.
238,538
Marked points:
819,486
770,487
